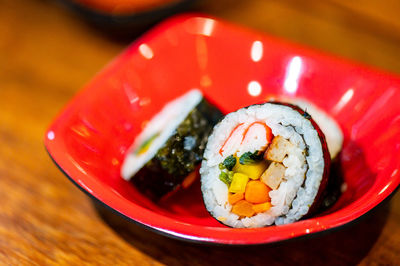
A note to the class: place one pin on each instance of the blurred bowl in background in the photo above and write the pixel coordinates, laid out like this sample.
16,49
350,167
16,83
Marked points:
126,18
121,7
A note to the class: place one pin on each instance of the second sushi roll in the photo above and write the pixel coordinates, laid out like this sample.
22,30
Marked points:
165,155
264,164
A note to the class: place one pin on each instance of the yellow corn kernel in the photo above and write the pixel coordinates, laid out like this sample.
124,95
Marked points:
221,218
253,171
262,207
239,182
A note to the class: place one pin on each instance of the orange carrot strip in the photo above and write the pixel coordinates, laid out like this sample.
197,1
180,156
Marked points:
243,208
262,207
189,179
257,192
235,197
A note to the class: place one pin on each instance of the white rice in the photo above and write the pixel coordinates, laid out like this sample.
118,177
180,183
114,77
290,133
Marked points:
164,123
330,128
303,172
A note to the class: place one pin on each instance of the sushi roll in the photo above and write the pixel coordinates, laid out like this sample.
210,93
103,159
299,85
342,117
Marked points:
264,164
171,146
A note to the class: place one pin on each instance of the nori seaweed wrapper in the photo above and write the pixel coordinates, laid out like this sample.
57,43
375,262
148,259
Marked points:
180,155
333,187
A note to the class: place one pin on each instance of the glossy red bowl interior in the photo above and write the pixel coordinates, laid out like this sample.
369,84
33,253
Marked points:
234,67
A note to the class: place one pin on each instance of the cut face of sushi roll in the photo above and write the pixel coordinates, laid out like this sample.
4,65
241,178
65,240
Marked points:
171,145
264,164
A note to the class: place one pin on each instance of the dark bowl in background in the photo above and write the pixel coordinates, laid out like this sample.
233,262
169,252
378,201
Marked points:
127,24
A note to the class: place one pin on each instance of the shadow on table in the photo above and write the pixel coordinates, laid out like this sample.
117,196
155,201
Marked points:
347,245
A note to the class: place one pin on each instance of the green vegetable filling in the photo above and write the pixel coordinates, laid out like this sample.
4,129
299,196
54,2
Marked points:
229,162
226,177
146,144
250,158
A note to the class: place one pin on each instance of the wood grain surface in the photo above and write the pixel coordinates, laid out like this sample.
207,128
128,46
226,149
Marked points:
47,53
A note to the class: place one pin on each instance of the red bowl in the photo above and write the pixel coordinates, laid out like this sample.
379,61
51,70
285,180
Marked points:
234,67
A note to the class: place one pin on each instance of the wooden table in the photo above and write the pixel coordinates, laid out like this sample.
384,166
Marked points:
47,54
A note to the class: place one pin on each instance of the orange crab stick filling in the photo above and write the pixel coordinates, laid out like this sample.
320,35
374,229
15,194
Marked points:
249,129
231,135
268,131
